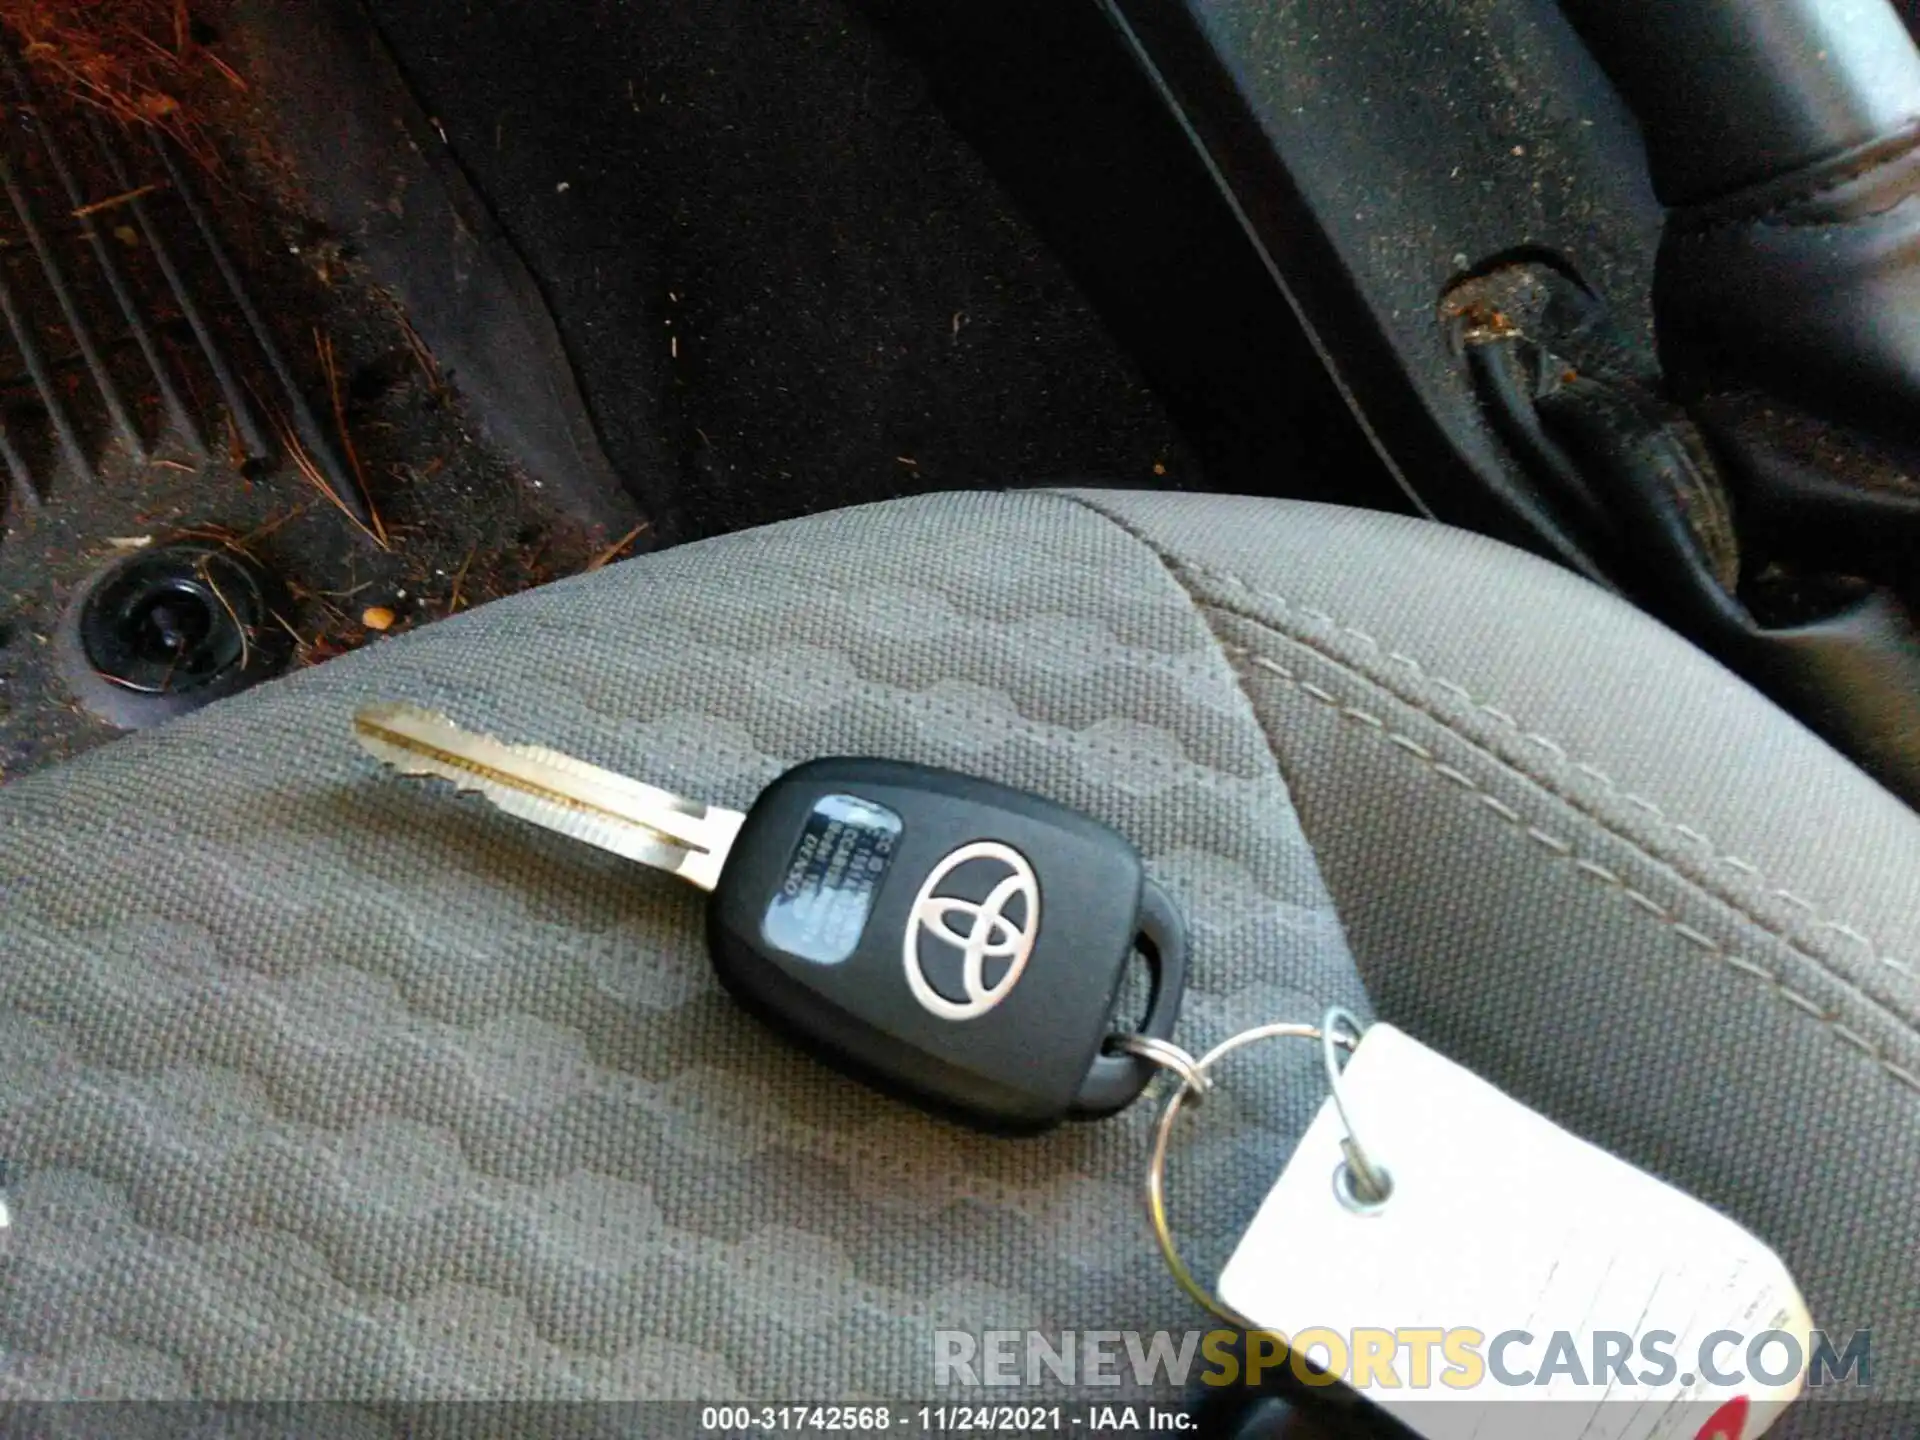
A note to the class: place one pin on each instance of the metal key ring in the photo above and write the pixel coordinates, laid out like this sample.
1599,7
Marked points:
1362,1186
1337,1030
1168,1056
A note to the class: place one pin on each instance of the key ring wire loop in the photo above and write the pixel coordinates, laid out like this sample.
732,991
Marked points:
1168,1056
1338,1030
1362,1185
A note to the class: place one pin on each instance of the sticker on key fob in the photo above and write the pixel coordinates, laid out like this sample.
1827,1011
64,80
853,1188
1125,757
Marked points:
821,908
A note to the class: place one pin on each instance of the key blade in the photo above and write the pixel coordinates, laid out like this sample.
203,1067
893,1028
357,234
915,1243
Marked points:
568,796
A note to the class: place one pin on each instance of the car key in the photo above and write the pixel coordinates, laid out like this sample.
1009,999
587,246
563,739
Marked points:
947,939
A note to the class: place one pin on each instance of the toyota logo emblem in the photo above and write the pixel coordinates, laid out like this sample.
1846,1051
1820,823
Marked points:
981,930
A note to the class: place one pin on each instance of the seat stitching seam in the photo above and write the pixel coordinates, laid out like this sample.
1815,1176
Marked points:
1177,568
1559,752
1592,869
1732,902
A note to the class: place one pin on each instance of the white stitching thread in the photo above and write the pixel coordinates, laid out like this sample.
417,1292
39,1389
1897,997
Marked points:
1853,1037
1552,842
1552,747
1408,743
1585,866
1600,873
1807,1005
1900,1073
1650,905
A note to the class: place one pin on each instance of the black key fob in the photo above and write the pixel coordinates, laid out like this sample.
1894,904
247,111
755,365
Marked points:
958,943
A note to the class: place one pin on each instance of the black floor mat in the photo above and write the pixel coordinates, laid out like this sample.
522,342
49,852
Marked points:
786,283
184,355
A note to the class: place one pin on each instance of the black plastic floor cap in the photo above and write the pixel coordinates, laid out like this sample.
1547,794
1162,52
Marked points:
168,630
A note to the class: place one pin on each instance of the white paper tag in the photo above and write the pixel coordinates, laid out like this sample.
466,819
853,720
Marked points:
1500,1224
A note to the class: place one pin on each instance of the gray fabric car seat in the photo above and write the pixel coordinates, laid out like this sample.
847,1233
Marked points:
317,1084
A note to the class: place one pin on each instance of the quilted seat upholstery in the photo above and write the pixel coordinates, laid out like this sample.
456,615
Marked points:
318,1084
